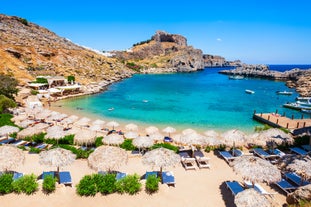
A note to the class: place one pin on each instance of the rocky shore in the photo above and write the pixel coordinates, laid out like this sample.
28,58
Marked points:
295,78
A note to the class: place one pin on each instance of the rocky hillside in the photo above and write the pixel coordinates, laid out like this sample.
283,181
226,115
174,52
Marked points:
163,52
28,50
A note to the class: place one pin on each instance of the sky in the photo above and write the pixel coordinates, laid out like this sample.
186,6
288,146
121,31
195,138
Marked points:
253,31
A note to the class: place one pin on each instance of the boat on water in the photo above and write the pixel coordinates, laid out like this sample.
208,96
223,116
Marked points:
249,91
304,99
236,77
288,93
306,111
296,106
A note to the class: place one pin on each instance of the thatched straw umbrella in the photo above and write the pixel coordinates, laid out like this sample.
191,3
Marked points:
25,123
131,135
301,193
251,198
161,158
255,169
188,131
55,132
113,124
169,130
302,167
83,122
69,120
114,139
211,133
57,157
10,157
107,158
151,129
43,114
84,136
157,136
131,127
193,139
6,130
19,118
99,122
36,129
233,138
272,135
143,142
56,116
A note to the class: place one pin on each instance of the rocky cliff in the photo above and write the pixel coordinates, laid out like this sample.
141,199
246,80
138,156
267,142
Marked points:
164,52
295,78
28,50
218,61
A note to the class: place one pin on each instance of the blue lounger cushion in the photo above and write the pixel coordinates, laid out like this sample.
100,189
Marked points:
296,179
226,155
65,178
285,186
234,187
17,175
261,153
151,173
51,173
306,147
120,175
298,151
168,178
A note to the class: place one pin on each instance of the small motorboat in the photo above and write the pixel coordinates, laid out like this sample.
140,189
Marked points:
288,93
307,111
249,91
236,77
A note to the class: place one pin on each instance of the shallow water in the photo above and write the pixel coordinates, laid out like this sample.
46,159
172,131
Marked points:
201,100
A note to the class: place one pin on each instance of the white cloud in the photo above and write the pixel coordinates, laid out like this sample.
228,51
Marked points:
219,39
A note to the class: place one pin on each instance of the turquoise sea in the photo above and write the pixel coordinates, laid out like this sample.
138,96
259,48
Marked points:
202,100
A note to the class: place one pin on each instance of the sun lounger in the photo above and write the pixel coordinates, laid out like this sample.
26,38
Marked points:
258,188
188,163
41,146
168,178
184,154
17,175
120,175
286,186
65,178
151,173
276,152
298,151
50,173
236,153
7,141
265,155
202,161
226,155
20,143
234,187
295,179
306,147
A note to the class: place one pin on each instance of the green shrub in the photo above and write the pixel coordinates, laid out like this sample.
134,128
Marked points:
34,150
81,154
127,145
87,186
26,184
23,21
152,184
34,92
48,185
221,147
5,119
262,128
41,80
38,138
99,141
129,184
6,103
165,145
209,148
106,184
6,183
71,78
68,139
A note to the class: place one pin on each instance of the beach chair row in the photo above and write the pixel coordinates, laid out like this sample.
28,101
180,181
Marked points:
24,143
229,156
199,159
290,182
235,188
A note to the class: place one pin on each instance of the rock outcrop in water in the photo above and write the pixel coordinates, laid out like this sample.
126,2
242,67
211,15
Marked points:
295,78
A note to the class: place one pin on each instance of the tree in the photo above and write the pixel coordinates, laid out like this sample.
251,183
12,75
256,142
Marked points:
6,103
71,78
8,86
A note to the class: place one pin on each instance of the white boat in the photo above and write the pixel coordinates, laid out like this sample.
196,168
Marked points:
284,93
296,106
236,77
307,111
249,91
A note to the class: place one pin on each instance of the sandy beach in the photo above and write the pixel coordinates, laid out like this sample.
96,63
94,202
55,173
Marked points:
200,187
